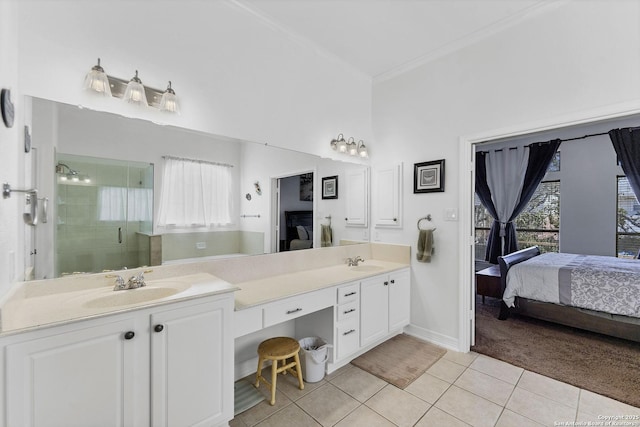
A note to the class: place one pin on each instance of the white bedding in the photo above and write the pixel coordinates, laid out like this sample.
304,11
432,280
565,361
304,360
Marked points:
607,284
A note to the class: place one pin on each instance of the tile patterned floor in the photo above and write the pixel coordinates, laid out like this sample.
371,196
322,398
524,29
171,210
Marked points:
459,390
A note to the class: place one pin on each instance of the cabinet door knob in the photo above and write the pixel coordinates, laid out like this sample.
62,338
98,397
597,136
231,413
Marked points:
395,219
346,219
129,335
393,281
386,283
158,328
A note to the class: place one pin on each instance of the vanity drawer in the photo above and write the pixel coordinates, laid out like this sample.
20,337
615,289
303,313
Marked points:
247,320
294,307
347,311
348,293
348,338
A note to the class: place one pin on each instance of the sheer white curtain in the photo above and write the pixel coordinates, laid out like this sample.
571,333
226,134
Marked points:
194,194
506,169
125,204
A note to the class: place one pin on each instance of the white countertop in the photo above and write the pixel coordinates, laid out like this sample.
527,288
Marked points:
32,306
260,291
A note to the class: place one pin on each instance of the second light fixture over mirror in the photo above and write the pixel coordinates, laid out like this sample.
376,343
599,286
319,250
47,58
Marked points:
349,146
131,91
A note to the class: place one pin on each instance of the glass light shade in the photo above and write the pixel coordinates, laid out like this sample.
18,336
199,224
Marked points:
134,93
334,142
352,148
362,149
342,144
169,101
97,81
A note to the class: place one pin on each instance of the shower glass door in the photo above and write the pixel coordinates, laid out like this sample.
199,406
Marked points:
104,208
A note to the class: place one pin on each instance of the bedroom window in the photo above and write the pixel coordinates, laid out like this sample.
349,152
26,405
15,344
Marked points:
538,224
628,221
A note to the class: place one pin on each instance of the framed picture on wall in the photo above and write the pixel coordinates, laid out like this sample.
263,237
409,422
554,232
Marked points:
330,187
428,177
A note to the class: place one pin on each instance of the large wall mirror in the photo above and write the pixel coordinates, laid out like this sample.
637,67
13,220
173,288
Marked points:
103,173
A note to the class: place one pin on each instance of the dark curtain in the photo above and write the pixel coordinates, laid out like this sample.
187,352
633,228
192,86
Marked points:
484,194
540,156
626,142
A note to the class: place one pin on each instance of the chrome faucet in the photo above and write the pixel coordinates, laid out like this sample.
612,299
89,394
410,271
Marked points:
120,284
134,282
353,262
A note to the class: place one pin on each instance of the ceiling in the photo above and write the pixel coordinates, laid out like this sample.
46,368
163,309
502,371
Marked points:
380,38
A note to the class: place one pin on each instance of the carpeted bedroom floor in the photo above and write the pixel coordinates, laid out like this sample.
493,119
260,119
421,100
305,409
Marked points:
604,365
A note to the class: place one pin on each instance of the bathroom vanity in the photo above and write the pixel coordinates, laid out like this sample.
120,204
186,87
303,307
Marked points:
161,362
77,353
352,308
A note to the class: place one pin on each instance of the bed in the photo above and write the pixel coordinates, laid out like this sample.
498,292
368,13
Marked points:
299,229
596,293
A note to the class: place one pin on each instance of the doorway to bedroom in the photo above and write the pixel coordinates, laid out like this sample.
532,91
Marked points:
294,216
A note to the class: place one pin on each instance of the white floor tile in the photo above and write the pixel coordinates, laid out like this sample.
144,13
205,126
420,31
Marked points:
497,369
550,388
469,408
486,386
540,409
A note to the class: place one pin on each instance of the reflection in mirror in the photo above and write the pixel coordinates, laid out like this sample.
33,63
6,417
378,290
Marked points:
104,210
96,144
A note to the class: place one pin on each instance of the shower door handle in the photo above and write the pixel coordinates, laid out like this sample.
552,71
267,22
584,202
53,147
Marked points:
119,234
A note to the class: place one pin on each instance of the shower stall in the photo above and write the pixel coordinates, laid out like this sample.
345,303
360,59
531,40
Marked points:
103,213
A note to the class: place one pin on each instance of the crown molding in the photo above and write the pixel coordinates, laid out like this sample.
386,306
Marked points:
537,9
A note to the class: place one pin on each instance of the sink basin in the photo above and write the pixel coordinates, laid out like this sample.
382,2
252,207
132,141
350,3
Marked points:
136,296
365,267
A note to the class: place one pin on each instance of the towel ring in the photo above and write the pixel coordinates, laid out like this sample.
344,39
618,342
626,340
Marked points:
427,218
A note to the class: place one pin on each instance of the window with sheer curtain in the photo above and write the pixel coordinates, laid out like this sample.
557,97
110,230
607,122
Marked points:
124,204
194,193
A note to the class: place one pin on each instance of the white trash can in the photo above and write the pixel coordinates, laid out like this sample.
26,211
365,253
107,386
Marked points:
314,353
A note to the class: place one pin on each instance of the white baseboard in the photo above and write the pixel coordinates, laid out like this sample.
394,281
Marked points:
433,337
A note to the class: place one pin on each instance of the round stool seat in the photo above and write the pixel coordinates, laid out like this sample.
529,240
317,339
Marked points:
278,348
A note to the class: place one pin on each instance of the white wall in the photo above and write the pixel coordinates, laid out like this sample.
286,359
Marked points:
246,80
234,75
575,57
13,157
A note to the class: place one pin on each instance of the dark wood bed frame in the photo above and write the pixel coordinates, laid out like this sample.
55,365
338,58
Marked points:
562,314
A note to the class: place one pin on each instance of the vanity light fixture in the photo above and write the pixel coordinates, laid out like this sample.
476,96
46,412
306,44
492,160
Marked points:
131,91
349,146
134,94
97,81
169,101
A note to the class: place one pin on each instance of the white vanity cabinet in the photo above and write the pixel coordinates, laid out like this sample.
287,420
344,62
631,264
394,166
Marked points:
384,305
162,366
347,321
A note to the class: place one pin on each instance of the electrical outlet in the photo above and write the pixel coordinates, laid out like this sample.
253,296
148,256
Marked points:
201,245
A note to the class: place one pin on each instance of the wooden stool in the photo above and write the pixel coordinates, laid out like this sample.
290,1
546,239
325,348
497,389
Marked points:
278,350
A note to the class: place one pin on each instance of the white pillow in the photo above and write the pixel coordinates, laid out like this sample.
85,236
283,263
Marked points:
302,233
